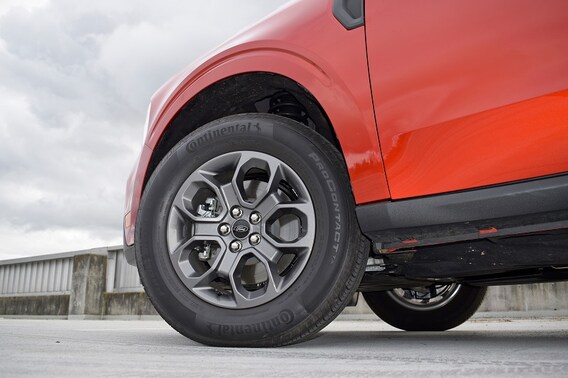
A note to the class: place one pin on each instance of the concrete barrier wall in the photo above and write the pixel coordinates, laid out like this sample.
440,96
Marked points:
49,306
535,297
91,284
99,284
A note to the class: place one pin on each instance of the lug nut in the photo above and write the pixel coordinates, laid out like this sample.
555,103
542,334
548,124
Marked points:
224,229
254,239
235,246
236,212
255,218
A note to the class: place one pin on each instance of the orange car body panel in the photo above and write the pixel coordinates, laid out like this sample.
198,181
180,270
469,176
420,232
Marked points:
465,93
469,93
302,43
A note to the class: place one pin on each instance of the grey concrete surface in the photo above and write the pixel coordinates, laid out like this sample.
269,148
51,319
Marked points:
483,347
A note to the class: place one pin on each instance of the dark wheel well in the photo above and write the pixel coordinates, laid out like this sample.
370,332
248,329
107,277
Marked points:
256,92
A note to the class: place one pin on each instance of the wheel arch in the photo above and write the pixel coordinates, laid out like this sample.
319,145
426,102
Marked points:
339,98
250,92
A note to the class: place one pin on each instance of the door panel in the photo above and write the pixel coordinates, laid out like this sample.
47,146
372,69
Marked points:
468,93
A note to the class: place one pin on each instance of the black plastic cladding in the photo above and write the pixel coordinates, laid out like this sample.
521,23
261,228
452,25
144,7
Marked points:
350,13
455,213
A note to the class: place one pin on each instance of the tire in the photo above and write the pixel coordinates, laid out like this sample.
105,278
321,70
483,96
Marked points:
433,308
247,234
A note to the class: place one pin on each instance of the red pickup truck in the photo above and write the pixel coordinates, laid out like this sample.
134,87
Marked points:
412,151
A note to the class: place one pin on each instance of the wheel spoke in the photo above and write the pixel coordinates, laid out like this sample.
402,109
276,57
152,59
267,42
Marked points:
230,191
237,181
268,203
205,228
275,280
269,252
276,175
240,299
226,263
202,281
230,194
175,255
182,211
207,177
304,242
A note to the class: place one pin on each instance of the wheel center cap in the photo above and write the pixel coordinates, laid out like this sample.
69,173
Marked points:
241,229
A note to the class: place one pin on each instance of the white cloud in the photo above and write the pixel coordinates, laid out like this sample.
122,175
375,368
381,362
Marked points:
50,240
29,5
76,80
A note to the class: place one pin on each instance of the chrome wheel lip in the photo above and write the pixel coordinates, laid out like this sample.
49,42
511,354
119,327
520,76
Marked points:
444,294
229,262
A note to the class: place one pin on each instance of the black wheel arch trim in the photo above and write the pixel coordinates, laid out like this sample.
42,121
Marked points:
129,253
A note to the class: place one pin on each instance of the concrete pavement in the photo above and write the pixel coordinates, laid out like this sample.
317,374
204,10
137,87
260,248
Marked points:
482,347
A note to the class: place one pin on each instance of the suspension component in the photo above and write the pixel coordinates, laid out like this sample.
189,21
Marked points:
284,104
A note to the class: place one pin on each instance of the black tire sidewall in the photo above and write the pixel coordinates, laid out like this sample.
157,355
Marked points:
453,313
322,173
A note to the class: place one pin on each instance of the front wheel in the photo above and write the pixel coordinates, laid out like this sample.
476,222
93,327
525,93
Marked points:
430,308
247,234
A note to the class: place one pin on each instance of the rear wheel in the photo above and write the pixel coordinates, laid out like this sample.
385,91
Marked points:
247,233
430,308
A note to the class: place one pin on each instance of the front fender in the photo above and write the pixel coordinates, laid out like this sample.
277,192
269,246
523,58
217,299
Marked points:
351,115
339,82
305,43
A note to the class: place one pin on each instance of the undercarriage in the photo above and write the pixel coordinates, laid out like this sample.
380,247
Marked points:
530,258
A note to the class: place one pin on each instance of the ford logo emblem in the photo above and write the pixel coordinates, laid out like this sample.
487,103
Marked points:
241,229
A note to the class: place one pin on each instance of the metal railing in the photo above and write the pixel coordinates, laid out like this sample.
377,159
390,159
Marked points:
45,275
52,274
121,276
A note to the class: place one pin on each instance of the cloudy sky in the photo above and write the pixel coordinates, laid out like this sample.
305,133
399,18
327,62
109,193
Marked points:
75,81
